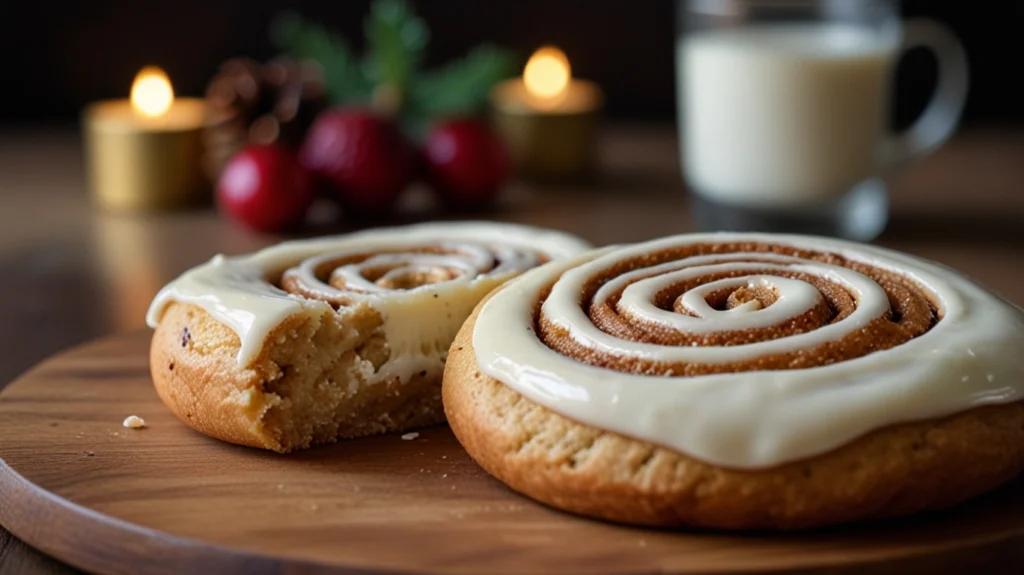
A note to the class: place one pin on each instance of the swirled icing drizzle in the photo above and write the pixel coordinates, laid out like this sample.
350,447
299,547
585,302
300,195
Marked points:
424,280
751,350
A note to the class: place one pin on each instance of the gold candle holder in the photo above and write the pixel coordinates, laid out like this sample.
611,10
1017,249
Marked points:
548,119
145,153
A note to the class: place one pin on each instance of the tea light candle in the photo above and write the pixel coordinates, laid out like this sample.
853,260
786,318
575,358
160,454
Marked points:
144,153
547,118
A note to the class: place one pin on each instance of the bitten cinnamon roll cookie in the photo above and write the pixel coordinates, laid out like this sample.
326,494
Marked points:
742,381
312,341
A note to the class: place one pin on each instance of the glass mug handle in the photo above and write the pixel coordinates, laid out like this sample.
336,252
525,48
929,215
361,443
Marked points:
939,119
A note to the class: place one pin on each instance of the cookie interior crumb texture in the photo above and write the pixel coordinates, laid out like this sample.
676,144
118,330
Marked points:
311,386
313,341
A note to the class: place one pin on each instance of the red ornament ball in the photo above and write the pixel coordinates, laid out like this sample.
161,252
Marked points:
362,157
466,162
265,188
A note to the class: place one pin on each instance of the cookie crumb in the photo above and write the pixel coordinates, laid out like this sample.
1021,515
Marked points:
134,422
410,436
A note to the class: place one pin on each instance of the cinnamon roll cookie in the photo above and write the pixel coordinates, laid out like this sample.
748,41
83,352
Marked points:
742,381
312,341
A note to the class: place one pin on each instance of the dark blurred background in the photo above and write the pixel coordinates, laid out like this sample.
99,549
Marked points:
59,56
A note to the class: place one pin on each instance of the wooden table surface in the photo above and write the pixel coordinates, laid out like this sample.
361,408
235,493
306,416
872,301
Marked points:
69,273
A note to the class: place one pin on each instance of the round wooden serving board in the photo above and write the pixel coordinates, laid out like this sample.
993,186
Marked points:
165,499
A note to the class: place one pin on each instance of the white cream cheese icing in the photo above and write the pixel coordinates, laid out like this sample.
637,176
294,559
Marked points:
419,323
973,356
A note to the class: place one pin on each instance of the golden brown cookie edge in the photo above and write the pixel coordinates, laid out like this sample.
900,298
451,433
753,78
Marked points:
196,387
898,470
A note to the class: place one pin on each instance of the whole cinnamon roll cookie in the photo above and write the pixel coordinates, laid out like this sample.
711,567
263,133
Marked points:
742,381
312,341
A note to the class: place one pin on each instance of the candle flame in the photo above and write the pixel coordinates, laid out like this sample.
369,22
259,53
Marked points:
152,94
547,73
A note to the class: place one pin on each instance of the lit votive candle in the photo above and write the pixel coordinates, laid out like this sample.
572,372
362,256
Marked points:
144,153
547,118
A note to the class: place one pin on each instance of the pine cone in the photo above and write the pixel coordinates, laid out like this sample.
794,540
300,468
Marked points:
253,103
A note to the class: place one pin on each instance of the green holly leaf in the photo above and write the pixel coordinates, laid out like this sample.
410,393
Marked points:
390,75
462,86
396,41
345,79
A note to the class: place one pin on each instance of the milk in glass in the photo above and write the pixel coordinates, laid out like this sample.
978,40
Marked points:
783,114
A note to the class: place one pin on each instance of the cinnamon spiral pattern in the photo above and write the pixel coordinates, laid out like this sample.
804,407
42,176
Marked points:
749,350
342,277
422,281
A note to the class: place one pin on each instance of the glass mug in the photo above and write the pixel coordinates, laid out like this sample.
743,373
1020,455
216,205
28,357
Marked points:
783,108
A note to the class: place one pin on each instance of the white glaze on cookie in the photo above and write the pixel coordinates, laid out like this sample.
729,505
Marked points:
972,356
419,323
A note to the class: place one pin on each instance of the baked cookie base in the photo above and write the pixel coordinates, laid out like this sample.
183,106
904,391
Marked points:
307,387
899,470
